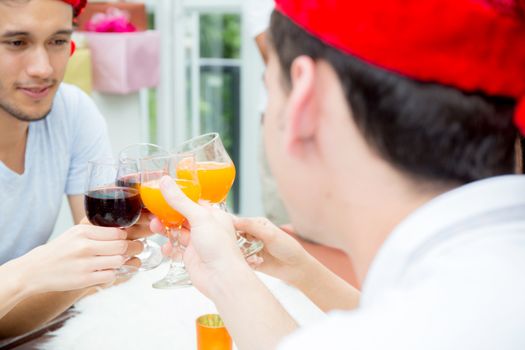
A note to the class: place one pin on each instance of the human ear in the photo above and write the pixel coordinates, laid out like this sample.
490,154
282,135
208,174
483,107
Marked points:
301,110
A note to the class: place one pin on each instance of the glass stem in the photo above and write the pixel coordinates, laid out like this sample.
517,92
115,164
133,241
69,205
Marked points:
222,206
176,257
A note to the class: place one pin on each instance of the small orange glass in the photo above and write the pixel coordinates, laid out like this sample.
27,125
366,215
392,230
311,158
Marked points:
212,334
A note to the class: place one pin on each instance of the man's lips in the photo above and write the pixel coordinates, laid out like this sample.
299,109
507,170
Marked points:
36,92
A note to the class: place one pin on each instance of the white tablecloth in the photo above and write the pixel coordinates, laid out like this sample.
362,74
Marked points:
134,315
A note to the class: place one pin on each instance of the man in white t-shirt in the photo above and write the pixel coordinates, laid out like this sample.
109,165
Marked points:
48,133
391,130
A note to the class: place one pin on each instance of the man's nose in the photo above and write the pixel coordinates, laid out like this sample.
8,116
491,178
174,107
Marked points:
39,65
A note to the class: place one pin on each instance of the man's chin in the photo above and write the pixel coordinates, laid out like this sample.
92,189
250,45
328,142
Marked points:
31,118
25,116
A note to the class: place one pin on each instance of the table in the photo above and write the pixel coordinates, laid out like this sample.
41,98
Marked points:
134,315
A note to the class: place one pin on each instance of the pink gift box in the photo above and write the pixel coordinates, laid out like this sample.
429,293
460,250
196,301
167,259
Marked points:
124,62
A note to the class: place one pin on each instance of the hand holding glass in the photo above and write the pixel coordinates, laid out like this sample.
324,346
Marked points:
108,204
152,171
216,173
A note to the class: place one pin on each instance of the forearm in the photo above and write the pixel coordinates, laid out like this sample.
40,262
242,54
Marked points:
37,310
13,290
254,318
325,289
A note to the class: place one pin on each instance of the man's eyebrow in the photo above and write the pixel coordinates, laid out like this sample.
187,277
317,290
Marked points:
11,33
64,32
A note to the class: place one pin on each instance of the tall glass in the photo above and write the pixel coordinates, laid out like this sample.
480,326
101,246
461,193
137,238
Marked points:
152,170
109,205
129,176
216,173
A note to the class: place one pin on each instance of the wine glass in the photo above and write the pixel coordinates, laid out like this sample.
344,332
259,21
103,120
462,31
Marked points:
109,205
129,176
216,173
152,170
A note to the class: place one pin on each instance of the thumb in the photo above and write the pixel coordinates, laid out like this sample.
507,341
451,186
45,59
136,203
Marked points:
179,201
260,228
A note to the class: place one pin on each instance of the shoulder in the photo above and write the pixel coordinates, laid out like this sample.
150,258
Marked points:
71,96
338,329
75,106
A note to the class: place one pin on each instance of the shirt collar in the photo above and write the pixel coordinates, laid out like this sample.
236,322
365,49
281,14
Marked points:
471,203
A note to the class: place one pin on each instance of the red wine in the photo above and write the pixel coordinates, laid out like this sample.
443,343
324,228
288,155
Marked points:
113,206
131,180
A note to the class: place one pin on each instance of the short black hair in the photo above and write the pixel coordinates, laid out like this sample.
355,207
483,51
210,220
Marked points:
429,131
23,1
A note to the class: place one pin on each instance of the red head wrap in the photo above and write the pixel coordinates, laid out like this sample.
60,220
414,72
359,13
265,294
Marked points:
78,6
473,45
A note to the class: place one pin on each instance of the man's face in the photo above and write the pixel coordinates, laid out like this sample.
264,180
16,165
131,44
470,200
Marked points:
274,113
297,179
35,45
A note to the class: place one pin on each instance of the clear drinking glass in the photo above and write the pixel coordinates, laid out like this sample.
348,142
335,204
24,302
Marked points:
216,173
129,176
109,205
152,170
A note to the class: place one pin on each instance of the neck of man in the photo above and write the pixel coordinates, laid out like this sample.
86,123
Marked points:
367,197
13,140
375,218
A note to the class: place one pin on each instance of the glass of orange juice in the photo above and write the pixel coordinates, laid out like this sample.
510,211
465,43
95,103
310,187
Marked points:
216,173
151,172
129,176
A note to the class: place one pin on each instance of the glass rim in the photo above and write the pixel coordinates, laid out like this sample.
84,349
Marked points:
138,145
104,161
215,136
180,155
202,321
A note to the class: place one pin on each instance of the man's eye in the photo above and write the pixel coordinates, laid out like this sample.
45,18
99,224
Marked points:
60,42
16,43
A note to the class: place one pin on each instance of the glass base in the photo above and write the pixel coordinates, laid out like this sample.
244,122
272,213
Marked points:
249,247
151,256
177,277
126,271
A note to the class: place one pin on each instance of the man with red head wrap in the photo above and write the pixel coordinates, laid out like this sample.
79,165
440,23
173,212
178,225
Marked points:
48,133
390,129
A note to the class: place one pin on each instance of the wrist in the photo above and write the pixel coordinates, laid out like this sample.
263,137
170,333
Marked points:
17,277
307,268
228,281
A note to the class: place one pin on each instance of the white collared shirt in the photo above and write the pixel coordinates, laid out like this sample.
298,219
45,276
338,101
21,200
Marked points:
450,276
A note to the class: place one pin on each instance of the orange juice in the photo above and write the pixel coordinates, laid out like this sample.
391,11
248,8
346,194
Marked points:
215,179
155,202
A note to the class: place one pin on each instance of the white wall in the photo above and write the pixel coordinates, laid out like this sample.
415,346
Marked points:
252,104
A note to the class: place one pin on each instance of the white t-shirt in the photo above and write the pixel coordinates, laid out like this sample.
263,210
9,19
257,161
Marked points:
57,152
257,15
451,276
